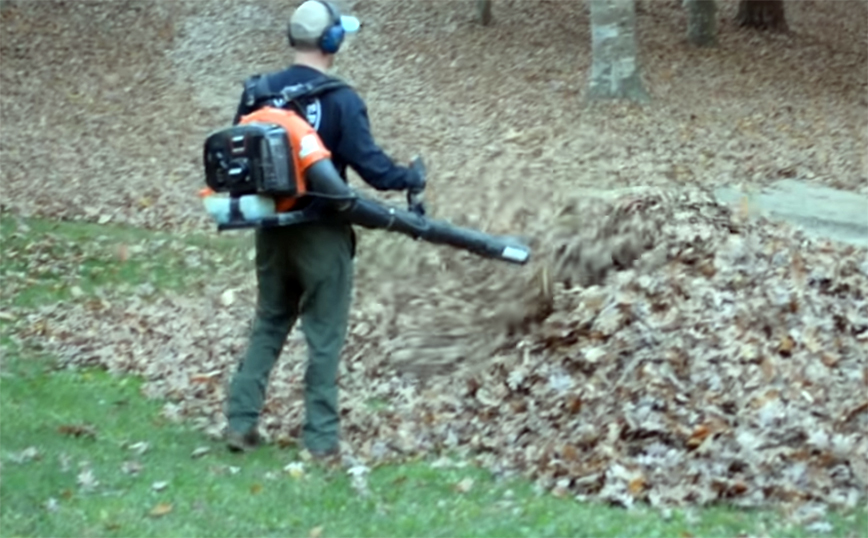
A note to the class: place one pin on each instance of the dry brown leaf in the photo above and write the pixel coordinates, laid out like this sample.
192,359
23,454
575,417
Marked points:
698,436
786,346
636,486
77,430
160,510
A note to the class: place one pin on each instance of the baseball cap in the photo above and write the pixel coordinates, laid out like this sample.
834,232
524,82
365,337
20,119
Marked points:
312,18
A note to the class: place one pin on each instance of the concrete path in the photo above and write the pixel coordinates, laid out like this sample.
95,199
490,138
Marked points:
822,212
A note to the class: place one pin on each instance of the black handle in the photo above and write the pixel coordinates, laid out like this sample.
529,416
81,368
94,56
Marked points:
415,196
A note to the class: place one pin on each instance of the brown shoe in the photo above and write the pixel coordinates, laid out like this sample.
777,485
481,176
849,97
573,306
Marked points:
242,442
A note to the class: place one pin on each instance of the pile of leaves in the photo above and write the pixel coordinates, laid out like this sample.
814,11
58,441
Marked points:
660,348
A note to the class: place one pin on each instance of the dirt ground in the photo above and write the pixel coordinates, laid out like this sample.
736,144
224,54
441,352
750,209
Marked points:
729,364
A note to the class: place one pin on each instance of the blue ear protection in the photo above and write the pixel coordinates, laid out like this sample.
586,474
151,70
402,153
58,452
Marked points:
333,36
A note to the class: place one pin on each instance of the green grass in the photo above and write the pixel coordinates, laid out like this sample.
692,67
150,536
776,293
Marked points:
223,494
46,261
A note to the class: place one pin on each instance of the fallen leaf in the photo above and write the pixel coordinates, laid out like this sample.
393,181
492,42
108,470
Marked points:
200,451
140,448
76,292
744,208
464,485
255,489
227,298
131,467
315,532
87,480
574,405
160,510
570,453
295,469
820,527
786,346
77,430
207,377
698,436
830,359
636,485
29,453
159,486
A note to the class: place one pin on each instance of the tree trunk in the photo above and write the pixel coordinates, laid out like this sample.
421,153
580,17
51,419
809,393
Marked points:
615,67
483,10
762,14
702,22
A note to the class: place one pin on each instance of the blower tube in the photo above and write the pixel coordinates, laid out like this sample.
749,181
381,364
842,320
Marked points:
345,205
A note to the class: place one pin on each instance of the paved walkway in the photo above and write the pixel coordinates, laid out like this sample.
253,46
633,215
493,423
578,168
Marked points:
822,212
819,211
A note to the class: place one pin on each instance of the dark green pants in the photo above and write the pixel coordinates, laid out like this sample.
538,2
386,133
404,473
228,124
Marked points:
302,271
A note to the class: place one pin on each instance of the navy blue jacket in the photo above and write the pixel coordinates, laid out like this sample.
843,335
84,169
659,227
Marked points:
341,118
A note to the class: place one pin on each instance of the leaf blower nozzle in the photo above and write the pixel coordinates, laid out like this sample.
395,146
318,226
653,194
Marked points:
347,206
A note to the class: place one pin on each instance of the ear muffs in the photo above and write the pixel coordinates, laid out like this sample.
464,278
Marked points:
333,37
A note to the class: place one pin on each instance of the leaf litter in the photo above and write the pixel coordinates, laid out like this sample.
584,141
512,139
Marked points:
648,367
659,348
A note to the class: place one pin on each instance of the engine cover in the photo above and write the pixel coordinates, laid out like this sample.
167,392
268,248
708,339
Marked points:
253,158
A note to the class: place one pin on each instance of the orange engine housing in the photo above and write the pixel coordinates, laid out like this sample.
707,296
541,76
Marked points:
306,145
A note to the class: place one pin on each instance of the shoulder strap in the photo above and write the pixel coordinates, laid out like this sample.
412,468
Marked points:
259,92
313,88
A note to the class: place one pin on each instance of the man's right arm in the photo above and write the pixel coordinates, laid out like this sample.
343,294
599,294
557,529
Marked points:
359,150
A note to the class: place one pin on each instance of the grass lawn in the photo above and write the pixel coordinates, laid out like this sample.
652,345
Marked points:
84,454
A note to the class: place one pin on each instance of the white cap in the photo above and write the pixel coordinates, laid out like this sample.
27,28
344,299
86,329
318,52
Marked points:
313,17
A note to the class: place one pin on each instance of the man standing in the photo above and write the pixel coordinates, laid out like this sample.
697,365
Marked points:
307,270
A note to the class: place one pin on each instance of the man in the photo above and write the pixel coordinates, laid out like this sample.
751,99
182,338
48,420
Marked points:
307,270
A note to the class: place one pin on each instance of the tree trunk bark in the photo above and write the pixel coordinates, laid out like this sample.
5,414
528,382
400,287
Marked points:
483,11
615,66
702,22
762,14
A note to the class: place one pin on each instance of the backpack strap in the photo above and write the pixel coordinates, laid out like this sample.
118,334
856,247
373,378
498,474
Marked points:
297,96
259,93
257,90
313,88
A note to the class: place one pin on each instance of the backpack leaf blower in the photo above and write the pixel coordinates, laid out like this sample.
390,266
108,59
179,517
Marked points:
272,169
